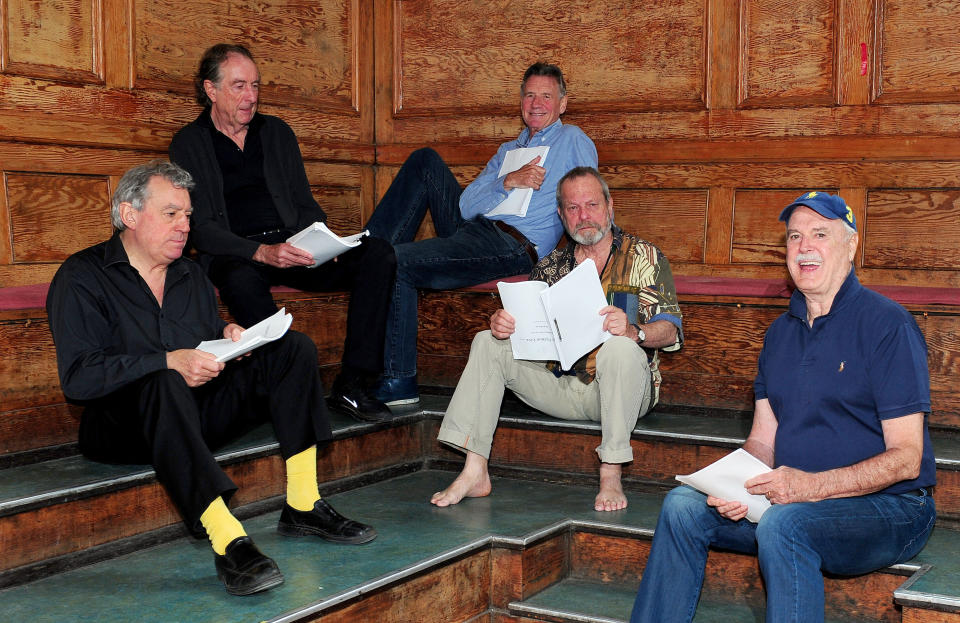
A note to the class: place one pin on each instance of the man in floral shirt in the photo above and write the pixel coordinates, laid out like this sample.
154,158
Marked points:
614,384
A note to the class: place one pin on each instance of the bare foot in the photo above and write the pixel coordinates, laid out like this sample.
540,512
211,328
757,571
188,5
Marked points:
473,482
611,497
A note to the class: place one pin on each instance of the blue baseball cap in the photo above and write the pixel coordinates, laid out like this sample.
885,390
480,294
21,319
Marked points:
824,204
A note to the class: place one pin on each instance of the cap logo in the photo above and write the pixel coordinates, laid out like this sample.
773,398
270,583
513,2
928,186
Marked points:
849,214
811,195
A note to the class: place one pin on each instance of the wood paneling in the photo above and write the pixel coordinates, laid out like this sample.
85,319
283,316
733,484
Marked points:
658,215
788,62
919,51
626,68
53,216
758,235
913,229
305,50
60,40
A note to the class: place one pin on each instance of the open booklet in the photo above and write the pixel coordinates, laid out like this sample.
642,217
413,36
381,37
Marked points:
559,322
266,330
724,479
323,244
518,200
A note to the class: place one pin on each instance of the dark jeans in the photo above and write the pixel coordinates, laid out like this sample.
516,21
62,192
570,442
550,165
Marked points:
463,253
161,421
795,543
367,272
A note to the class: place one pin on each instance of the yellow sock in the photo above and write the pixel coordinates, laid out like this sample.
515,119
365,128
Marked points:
302,491
222,527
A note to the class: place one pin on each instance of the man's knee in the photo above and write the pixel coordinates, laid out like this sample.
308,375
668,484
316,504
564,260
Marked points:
781,523
425,158
620,351
299,346
682,505
486,346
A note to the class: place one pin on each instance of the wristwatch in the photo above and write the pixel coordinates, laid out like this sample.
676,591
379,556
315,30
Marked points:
641,336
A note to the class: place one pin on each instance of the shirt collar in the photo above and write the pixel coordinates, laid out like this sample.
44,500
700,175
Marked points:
848,291
548,131
115,254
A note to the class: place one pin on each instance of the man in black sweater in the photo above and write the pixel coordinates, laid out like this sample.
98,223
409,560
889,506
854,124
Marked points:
251,195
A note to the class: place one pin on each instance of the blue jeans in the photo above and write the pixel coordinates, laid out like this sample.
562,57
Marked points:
463,253
795,544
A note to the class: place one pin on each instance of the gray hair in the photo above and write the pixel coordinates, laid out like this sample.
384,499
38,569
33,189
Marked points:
545,69
584,172
132,187
209,68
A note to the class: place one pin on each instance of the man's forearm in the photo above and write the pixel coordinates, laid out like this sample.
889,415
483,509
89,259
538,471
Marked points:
871,475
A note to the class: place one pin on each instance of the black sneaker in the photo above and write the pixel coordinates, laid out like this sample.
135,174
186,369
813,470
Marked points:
354,400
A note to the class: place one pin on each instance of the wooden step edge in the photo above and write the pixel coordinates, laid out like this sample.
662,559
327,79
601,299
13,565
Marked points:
107,551
556,615
142,474
904,595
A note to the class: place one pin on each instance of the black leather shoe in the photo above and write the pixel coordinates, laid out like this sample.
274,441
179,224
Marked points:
325,522
244,569
357,402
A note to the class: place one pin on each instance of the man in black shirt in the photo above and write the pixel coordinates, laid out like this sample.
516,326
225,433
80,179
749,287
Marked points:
126,317
252,194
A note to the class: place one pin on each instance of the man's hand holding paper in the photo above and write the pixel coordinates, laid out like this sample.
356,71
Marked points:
529,175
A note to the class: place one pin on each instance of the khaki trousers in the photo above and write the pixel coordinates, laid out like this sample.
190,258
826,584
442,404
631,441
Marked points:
616,398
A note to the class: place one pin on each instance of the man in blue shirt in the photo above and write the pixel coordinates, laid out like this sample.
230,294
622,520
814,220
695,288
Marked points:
842,397
474,243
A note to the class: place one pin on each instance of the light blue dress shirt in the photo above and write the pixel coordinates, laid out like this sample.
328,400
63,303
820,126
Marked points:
569,148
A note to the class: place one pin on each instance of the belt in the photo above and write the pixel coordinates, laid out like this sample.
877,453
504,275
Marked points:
919,492
514,233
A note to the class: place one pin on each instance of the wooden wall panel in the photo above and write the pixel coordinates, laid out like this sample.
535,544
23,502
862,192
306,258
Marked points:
53,216
59,40
919,51
658,215
913,229
788,62
758,235
304,48
445,49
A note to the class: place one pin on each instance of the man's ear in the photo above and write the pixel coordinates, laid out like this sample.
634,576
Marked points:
854,242
129,215
210,89
563,105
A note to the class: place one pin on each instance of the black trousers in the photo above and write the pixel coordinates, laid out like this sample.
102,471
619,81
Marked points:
367,272
161,421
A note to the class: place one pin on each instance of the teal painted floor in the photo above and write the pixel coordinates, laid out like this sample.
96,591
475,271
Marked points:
177,582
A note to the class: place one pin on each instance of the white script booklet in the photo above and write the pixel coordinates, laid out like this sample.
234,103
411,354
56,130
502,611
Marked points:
518,200
559,322
724,479
267,330
323,244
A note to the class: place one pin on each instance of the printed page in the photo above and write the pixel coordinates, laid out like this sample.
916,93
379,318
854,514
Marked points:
266,330
518,200
323,244
573,307
532,340
724,479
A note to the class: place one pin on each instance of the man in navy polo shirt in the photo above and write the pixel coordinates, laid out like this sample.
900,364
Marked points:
842,396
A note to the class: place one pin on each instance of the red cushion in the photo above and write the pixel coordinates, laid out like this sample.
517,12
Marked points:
731,286
492,285
24,297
